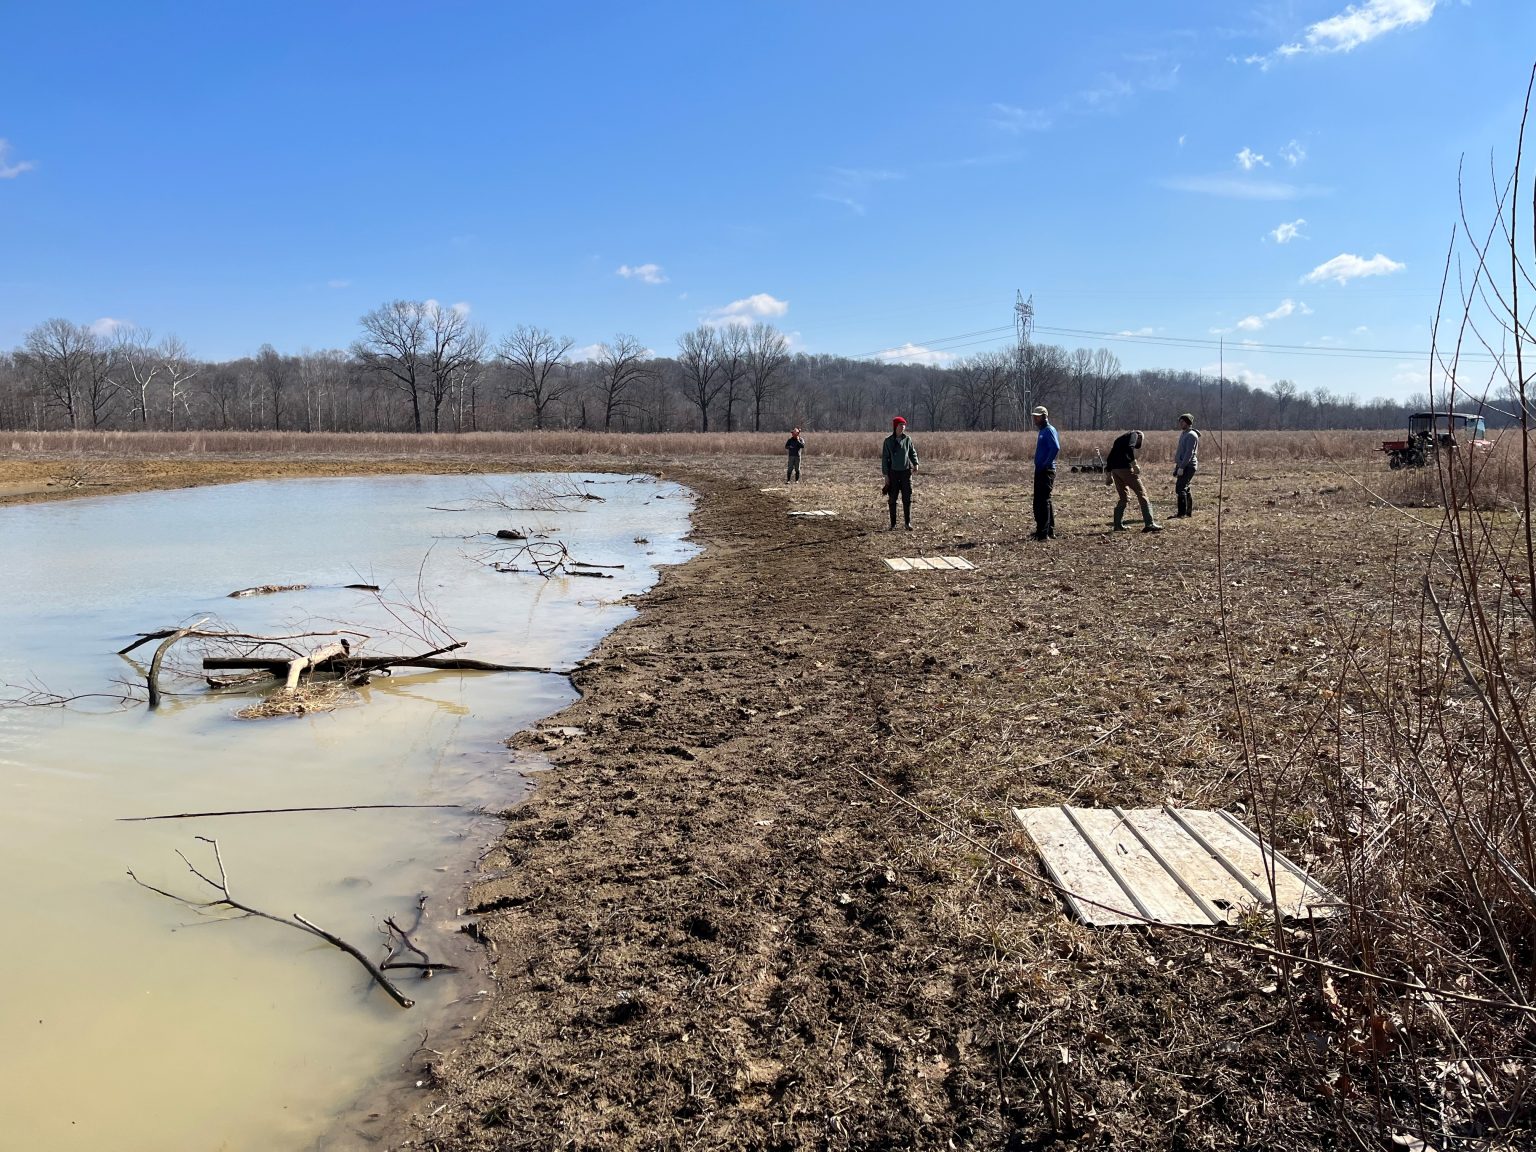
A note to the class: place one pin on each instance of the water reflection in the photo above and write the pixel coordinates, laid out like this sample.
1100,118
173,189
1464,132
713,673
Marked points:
134,1023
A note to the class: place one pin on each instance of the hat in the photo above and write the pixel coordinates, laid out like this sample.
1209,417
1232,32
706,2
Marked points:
899,420
1187,416
1040,411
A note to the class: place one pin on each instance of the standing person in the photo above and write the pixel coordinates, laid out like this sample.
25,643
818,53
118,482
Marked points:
1186,462
1124,473
898,460
1047,448
794,446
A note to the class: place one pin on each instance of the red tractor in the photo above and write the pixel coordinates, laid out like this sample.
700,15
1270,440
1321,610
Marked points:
1428,432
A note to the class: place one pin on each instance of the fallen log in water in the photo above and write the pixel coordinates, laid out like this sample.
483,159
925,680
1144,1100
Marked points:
374,663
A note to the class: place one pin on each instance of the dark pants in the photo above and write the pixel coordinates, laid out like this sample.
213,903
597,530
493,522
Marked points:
792,468
1181,491
1045,515
900,484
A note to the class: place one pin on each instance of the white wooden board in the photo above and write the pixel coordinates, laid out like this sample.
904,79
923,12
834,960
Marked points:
930,564
1171,865
815,512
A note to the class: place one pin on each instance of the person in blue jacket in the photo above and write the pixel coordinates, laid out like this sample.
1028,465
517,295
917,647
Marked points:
1047,448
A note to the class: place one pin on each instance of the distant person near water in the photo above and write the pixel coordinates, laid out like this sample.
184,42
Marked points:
1047,448
1124,473
898,460
794,446
1186,462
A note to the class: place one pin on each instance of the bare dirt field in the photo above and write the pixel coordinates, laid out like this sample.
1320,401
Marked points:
772,896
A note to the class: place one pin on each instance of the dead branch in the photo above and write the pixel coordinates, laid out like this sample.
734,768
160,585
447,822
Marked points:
154,665
274,811
425,965
226,900
298,666
354,664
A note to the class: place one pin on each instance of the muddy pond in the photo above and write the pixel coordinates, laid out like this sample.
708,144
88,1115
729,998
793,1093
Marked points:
134,1022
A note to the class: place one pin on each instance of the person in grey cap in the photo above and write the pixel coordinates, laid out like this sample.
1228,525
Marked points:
1047,448
1186,462
1124,473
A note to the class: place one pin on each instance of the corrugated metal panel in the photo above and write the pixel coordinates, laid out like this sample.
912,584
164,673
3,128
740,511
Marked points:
1172,865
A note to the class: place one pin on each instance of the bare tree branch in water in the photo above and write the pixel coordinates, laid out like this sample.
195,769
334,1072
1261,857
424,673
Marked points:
226,899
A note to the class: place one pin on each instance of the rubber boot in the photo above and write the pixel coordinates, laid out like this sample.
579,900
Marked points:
1189,503
1183,501
1119,517
1148,521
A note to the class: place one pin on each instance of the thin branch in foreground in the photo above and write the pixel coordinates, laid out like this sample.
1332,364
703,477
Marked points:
275,811
226,900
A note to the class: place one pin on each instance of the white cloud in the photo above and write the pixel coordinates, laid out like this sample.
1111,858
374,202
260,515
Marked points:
1138,332
9,171
430,306
1358,24
1255,323
1288,307
1248,160
338,283
847,202
1346,267
1236,370
910,353
1411,376
1360,330
749,310
1286,232
1011,118
1293,153
462,308
590,352
1181,141
1238,188
108,325
645,273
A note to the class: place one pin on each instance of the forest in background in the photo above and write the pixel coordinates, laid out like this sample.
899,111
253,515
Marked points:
419,367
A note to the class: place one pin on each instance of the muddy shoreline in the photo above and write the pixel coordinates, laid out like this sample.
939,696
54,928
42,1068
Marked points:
748,908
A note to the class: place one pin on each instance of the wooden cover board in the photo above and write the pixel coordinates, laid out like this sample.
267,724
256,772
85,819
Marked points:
929,564
1175,866
815,512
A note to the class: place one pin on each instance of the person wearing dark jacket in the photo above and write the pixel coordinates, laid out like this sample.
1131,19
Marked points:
1121,470
794,446
1047,448
1186,462
898,460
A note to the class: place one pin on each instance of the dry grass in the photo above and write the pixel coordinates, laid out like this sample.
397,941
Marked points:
936,447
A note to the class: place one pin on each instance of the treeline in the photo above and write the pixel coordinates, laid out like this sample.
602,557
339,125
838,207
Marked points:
421,367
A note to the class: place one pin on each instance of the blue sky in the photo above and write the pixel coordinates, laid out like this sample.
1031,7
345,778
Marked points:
867,176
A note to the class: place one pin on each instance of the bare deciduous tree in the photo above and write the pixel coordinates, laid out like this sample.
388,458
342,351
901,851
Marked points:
394,336
621,366
59,355
454,347
732,353
276,373
536,360
699,369
767,354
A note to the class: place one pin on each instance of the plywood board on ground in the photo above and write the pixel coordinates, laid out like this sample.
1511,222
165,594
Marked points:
1170,865
929,563
815,512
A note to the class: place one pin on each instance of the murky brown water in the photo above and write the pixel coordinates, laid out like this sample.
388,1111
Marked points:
130,1021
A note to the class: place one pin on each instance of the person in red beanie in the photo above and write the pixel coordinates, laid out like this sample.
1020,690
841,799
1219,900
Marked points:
898,460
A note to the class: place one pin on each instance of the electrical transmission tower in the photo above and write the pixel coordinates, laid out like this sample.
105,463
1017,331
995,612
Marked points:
1024,328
